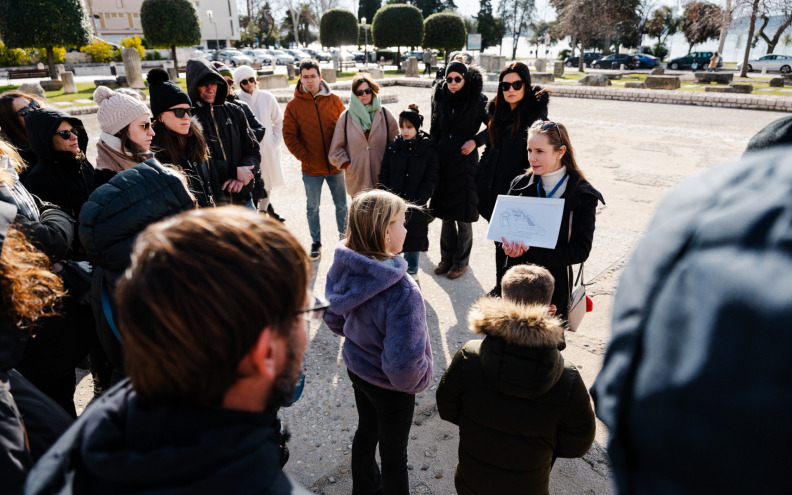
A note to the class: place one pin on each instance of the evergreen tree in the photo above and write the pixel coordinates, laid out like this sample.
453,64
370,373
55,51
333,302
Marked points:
367,9
490,27
170,23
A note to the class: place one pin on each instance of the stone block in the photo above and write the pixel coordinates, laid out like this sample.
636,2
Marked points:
542,77
742,88
173,74
657,71
274,81
663,82
485,62
498,63
714,77
291,72
719,89
50,85
122,81
69,86
110,83
558,68
412,68
594,80
540,64
635,85
33,89
613,76
494,77
377,74
329,75
777,82
132,68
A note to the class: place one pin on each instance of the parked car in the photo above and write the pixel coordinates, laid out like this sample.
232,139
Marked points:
616,60
297,54
418,55
360,57
234,58
588,58
200,54
344,56
468,56
646,61
321,56
258,55
281,58
782,63
700,59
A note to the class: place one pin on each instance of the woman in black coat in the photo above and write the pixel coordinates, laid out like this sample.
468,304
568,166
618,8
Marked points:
409,170
517,106
554,173
458,110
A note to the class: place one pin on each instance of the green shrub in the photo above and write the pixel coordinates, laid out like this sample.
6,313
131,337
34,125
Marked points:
136,43
397,25
338,27
445,30
100,51
11,57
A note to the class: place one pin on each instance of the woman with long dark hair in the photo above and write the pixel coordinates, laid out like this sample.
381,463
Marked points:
179,139
514,109
14,105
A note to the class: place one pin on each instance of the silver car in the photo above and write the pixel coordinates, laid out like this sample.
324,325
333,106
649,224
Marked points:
234,58
259,55
281,58
782,63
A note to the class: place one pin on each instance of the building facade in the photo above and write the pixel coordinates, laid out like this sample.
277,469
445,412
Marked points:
115,19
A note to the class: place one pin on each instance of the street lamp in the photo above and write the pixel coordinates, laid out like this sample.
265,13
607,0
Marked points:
365,39
210,15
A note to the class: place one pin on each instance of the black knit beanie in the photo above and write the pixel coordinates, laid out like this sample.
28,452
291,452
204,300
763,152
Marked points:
457,67
164,93
412,116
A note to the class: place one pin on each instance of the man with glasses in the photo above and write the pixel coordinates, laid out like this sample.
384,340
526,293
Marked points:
308,127
197,418
232,143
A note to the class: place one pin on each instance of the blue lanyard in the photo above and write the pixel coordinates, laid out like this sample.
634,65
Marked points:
550,195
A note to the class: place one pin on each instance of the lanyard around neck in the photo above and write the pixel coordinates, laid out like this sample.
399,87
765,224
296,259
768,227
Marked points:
550,194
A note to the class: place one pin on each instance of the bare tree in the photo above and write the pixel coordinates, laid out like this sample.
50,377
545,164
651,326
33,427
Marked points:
516,15
781,8
583,20
754,10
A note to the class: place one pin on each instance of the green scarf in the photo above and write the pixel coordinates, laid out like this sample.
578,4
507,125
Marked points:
362,114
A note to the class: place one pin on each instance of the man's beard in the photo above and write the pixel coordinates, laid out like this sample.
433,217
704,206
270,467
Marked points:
285,383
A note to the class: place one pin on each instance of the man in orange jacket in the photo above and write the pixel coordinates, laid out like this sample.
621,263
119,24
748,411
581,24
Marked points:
308,126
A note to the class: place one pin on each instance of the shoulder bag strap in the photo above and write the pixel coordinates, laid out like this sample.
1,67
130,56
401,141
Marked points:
387,134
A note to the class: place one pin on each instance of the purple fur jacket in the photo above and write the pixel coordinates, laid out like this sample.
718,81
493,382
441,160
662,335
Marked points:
380,311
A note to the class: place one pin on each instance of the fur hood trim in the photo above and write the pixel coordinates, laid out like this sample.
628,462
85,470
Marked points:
518,324
475,79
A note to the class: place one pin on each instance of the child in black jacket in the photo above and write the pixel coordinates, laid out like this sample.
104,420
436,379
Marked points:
410,170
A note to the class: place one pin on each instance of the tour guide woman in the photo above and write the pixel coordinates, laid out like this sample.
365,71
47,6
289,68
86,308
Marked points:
555,174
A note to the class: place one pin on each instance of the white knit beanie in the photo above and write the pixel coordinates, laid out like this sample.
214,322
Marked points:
243,72
117,110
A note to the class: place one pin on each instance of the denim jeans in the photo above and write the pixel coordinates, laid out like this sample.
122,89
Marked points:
313,194
384,417
412,260
456,241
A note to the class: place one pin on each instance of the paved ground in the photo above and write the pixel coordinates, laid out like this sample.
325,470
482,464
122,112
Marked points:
632,152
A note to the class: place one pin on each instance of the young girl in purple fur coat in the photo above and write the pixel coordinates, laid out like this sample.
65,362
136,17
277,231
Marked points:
379,308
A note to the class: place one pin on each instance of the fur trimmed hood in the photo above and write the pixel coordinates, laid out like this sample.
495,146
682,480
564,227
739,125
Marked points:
517,324
475,80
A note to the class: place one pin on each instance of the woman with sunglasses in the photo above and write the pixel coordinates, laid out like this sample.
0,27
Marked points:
554,173
179,139
126,134
14,105
362,134
458,110
511,113
266,109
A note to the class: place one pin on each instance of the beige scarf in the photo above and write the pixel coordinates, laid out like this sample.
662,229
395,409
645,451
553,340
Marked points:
110,157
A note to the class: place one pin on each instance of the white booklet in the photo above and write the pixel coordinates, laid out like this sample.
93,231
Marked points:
534,221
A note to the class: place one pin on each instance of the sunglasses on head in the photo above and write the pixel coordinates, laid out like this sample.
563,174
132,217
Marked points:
179,113
67,133
517,85
33,105
546,125
250,80
456,79
362,92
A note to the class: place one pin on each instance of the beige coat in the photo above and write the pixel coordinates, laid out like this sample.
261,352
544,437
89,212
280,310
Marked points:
365,156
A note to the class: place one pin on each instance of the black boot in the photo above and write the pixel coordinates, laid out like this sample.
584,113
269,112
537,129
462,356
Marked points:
271,212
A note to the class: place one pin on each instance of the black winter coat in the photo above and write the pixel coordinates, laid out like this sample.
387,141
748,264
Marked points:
58,176
112,218
503,161
232,143
201,177
409,170
457,118
122,446
517,403
581,200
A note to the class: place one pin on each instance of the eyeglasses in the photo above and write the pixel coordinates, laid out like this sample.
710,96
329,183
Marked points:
67,133
317,311
250,80
517,85
456,79
179,113
362,92
33,105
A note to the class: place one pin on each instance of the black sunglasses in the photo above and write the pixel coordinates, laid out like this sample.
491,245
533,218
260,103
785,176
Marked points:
33,105
517,85
317,311
362,92
456,79
546,125
180,112
67,134
250,80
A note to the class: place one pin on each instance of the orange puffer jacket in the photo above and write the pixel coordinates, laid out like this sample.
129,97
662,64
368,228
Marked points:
308,126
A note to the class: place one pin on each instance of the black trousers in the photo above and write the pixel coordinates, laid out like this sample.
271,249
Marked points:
384,418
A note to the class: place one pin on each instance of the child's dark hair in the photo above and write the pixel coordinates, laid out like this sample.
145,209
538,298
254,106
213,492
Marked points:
411,116
528,284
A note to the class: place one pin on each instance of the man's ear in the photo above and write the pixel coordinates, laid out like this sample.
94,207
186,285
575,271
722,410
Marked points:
263,354
552,309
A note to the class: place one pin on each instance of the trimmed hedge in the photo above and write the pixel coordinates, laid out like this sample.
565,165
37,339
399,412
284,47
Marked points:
338,27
